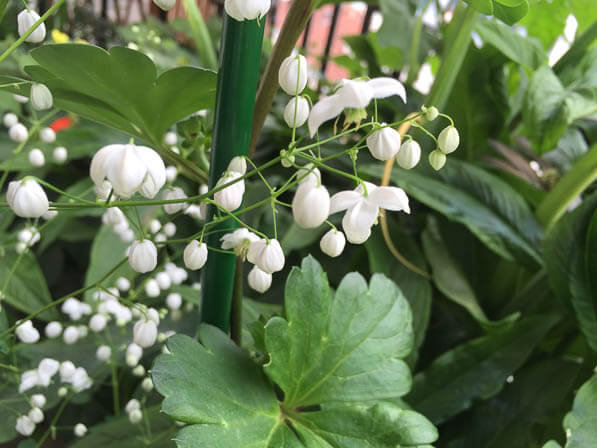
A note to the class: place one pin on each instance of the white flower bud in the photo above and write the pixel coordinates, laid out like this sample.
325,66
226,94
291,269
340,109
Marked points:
50,214
37,158
53,329
332,243
80,430
154,226
171,173
135,416
152,288
38,400
143,256
70,335
20,98
134,350
80,380
293,74
18,133
47,135
409,155
41,97
9,119
123,284
437,159
164,281
60,155
25,21
238,238
27,333
25,426
132,405
29,379
174,193
174,301
27,199
296,112
308,174
103,353
48,367
230,197
36,415
431,113
170,138
145,333
73,307
311,205
258,280
165,5
139,370
195,255
246,9
131,360
62,392
147,385
97,323
67,370
267,255
448,140
169,229
238,164
384,143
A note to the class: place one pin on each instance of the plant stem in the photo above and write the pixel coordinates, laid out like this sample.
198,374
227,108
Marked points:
574,182
115,393
236,316
201,36
54,420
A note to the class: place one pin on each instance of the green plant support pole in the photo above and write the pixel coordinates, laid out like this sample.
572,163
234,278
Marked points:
240,54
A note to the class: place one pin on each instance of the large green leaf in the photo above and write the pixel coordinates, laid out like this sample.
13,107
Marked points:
567,259
476,369
27,289
546,20
228,401
508,11
581,422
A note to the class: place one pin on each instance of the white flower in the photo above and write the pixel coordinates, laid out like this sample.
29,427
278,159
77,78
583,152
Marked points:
258,280
139,370
409,155
174,193
9,119
132,405
164,280
20,98
448,140
195,255
171,173
27,333
238,238
143,256
267,255
25,426
70,335
238,164
97,323
147,385
332,243
170,138
384,143
170,229
293,74
41,97
25,21
80,430
53,329
38,400
134,350
48,367
36,415
47,135
437,159
29,379
60,155
230,197
247,9
62,392
123,284
67,370
18,133
115,217
152,288
353,95
27,199
103,353
165,5
308,174
135,416
296,112
74,308
310,205
174,301
145,332
80,380
103,190
129,169
362,211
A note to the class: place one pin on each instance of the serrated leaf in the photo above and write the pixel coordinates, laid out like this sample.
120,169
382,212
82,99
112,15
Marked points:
581,422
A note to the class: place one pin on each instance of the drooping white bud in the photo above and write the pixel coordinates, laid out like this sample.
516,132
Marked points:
53,329
135,416
384,143
9,119
308,174
195,255
67,370
238,237
60,155
258,280
247,9
171,173
25,21
164,280
27,333
174,193
38,400
80,380
230,197
41,97
18,133
25,426
48,367
296,112
333,243
27,199
80,430
97,323
103,353
238,164
170,229
431,113
152,288
174,301
165,5
267,255
37,158
448,140
145,333
47,135
409,155
143,256
139,370
36,415
20,98
437,159
147,385
293,74
311,205
170,138
70,335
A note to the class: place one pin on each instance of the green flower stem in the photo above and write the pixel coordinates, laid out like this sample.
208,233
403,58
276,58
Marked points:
200,34
574,182
54,420
238,76
115,393
19,41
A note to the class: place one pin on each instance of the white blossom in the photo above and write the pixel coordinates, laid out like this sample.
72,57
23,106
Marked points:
38,400
25,426
169,229
27,333
174,193
247,9
53,329
448,140
143,256
27,199
311,205
332,243
174,301
25,21
145,333
41,97
97,323
238,238
36,415
20,98
29,379
195,255
103,353
293,74
147,384
170,138
135,416
48,367
18,133
67,370
230,197
296,112
47,135
266,255
437,159
80,430
152,288
70,335
9,119
384,143
165,5
409,155
258,280
164,280
132,405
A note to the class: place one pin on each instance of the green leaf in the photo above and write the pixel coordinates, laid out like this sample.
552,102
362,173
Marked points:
483,6
566,257
581,422
121,87
520,49
27,289
552,444
339,347
510,13
476,369
546,20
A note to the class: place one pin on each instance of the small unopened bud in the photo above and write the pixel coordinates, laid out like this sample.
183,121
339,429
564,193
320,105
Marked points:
437,159
409,155
41,97
293,74
431,113
448,140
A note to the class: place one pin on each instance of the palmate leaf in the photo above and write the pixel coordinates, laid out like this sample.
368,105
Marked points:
336,358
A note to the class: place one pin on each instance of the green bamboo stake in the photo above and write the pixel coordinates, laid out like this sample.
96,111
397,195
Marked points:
238,76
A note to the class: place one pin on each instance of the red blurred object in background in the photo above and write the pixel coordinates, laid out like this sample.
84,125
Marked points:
61,124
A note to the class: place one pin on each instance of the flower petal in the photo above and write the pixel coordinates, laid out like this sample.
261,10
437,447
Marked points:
390,198
357,221
324,110
355,94
385,87
344,200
